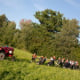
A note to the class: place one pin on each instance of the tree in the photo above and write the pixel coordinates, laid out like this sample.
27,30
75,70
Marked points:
8,33
3,20
52,20
7,30
26,29
66,40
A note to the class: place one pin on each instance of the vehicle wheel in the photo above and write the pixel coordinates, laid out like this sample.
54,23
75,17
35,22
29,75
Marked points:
2,56
13,58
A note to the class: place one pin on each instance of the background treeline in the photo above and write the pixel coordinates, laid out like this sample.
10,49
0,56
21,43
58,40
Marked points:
53,35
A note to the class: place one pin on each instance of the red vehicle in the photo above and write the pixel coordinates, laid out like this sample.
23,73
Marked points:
6,52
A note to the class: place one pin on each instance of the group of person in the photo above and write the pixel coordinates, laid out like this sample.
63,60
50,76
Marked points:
62,62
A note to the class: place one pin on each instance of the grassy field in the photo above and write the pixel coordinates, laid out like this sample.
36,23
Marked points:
23,69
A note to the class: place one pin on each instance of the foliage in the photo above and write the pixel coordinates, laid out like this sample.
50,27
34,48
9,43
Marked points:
3,20
52,20
66,40
7,31
54,35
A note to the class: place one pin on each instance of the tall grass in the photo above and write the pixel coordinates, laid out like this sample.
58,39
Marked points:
23,69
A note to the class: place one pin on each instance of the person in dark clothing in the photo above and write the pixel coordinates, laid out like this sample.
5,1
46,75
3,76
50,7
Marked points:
51,61
41,60
62,62
72,65
66,64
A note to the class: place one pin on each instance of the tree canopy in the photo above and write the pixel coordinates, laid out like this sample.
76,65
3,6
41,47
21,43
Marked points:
52,20
54,35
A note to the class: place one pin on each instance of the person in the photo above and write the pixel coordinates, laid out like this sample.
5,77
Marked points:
41,60
54,58
66,64
34,56
62,62
44,60
70,62
72,65
59,60
76,65
51,61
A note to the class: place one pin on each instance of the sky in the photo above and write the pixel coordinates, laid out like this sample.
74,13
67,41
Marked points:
15,10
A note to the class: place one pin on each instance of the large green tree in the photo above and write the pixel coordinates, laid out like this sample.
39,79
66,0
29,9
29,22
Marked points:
52,20
66,40
3,20
7,30
26,29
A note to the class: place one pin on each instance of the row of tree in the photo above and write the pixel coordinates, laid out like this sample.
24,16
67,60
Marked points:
53,35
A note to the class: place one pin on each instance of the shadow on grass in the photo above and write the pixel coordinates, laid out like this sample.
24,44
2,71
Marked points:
19,60
3,74
22,60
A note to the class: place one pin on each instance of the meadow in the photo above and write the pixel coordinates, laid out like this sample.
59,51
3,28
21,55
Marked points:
23,69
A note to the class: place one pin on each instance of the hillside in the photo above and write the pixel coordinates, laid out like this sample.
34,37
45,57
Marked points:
23,69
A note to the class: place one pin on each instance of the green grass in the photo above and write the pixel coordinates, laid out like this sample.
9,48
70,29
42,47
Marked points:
23,69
